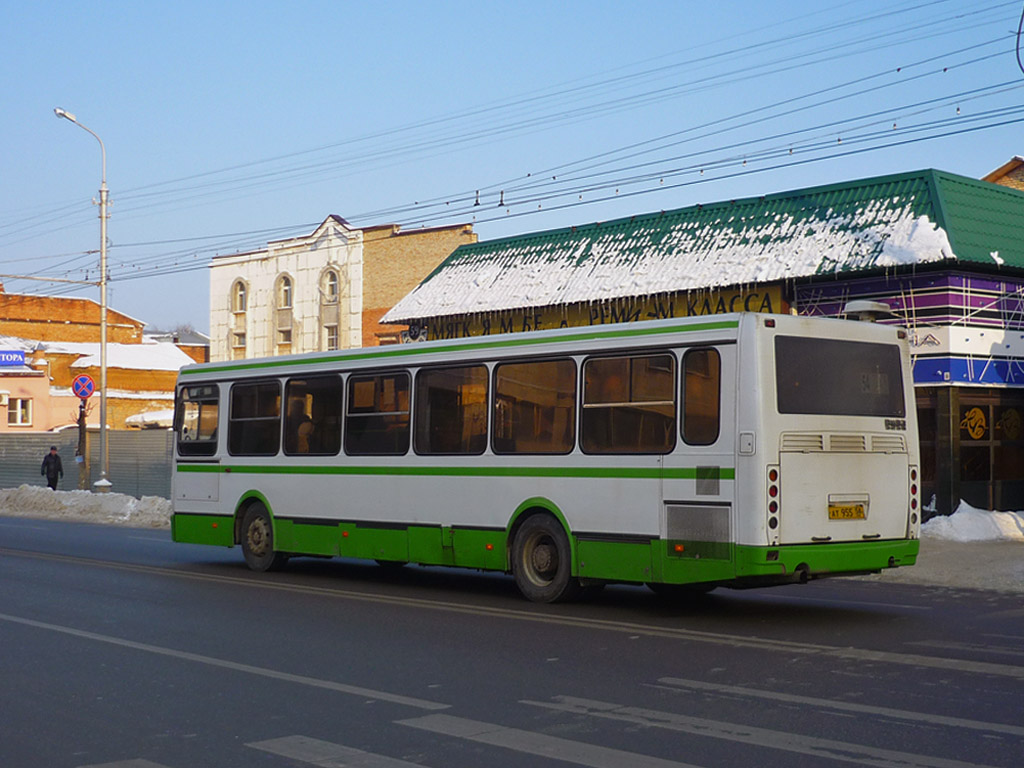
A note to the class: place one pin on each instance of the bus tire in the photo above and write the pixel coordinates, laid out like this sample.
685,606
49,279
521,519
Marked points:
257,537
542,561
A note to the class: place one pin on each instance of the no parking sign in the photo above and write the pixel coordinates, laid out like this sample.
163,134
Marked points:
83,386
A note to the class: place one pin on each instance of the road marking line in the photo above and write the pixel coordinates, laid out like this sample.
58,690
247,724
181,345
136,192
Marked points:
274,674
540,744
899,714
947,645
327,754
139,763
761,737
556,619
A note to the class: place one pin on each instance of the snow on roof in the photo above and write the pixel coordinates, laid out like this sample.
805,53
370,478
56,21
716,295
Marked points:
147,356
163,418
863,225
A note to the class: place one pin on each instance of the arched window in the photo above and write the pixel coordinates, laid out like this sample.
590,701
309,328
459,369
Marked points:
331,287
284,292
238,296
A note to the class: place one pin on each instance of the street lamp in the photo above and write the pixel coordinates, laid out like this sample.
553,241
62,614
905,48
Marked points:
103,484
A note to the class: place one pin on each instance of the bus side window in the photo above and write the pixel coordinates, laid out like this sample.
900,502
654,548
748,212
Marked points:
629,404
702,388
196,421
254,419
534,407
451,410
312,423
377,418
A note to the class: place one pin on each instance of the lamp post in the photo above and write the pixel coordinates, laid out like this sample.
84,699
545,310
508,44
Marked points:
103,484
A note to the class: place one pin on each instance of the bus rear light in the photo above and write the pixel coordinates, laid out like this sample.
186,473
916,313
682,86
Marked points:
773,502
489,547
679,547
913,473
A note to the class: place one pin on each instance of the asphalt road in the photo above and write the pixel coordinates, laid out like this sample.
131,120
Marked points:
119,648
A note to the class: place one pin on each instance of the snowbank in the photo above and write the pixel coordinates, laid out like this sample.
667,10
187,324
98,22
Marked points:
85,506
970,524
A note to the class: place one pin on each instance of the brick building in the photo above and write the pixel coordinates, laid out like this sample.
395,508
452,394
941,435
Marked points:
1009,174
322,291
47,341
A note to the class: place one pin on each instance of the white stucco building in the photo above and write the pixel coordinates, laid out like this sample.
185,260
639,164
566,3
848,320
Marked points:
322,291
302,294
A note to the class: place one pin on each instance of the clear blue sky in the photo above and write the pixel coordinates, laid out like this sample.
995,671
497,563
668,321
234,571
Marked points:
228,124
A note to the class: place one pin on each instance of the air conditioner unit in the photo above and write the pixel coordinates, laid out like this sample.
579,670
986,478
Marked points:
5,398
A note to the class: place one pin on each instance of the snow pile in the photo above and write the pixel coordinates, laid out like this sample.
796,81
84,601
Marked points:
85,506
970,524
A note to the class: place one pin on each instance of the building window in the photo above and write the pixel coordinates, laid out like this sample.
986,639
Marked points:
331,336
284,292
238,340
238,297
331,287
284,336
19,412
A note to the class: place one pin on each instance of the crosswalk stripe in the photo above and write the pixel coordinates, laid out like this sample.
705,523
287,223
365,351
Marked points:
744,734
539,744
327,754
844,706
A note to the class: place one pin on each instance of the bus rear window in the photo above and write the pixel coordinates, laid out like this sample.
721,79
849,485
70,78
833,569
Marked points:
838,378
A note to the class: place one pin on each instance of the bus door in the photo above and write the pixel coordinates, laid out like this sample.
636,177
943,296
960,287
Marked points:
698,476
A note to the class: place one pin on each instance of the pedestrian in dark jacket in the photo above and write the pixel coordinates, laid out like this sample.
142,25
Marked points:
52,467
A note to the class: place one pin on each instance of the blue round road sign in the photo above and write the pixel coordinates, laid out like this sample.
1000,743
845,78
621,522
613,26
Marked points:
83,386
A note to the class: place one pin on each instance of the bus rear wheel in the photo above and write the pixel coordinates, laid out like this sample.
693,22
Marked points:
258,541
542,561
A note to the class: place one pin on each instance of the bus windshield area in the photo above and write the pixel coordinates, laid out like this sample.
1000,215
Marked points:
838,378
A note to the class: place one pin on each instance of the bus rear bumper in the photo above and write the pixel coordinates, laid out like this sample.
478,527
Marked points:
758,566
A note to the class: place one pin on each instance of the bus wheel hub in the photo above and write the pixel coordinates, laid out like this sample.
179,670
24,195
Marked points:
543,558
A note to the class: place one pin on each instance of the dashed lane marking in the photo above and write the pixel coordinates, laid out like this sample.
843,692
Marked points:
249,669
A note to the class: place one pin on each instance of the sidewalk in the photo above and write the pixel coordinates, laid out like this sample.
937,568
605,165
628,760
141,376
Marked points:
996,565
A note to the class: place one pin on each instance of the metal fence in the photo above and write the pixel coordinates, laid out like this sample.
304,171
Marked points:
140,460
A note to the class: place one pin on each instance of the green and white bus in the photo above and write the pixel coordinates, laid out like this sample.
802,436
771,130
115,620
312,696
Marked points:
734,450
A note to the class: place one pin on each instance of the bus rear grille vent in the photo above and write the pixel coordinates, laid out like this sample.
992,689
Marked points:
802,442
888,444
847,443
694,522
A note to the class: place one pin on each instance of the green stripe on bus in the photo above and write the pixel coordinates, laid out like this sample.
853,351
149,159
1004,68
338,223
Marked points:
516,340
626,473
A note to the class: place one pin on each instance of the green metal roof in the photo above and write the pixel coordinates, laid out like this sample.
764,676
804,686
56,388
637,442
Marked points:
860,226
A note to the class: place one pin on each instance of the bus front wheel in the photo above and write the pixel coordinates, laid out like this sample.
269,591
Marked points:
258,541
542,561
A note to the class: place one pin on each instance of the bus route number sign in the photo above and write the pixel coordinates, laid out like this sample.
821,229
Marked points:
83,386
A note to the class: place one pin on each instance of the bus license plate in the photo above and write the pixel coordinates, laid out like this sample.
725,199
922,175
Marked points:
846,512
